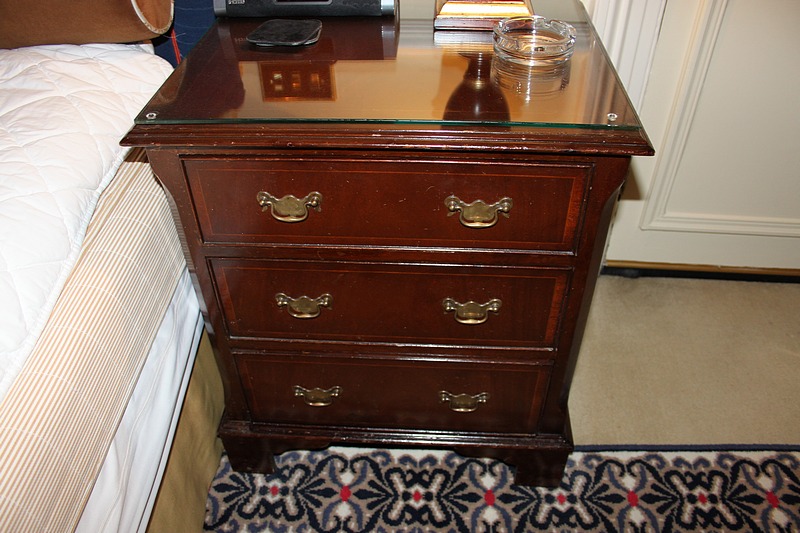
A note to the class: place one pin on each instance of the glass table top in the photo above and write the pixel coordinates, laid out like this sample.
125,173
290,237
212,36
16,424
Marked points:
392,70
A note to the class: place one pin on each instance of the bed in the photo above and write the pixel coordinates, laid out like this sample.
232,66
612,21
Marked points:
100,329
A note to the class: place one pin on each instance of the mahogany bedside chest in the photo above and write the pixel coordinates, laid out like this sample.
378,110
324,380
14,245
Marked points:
394,235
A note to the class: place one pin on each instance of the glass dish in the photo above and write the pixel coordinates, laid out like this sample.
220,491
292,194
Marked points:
534,40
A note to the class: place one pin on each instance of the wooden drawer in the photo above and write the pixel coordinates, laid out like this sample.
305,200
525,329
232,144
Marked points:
390,203
394,303
364,392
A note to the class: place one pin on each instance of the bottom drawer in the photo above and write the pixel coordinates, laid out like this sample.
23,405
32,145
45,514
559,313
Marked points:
460,396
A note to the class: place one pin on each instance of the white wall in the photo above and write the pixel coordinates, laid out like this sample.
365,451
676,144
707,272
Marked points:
629,31
724,117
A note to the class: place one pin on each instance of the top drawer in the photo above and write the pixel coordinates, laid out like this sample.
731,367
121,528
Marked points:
388,202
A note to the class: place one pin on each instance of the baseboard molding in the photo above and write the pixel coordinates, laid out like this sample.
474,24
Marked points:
636,269
698,448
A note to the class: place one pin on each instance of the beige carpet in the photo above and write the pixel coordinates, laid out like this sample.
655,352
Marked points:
689,362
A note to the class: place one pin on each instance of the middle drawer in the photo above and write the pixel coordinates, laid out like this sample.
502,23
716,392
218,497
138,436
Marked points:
387,302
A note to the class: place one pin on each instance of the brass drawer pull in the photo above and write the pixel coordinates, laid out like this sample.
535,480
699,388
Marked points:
463,403
471,312
289,208
317,397
304,307
478,214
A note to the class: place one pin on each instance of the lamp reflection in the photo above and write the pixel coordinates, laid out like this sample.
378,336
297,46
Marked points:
477,97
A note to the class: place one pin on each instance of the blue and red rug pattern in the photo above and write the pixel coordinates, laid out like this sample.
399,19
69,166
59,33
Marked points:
360,490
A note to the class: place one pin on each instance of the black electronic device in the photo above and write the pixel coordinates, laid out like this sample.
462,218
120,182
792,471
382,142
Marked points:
304,8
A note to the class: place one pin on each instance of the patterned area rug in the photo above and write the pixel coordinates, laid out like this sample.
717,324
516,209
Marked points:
359,490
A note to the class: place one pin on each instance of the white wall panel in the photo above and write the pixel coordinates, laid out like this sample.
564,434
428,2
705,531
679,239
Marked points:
722,111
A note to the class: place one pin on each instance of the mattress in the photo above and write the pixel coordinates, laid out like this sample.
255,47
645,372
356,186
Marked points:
125,489
126,486
63,111
128,297
100,323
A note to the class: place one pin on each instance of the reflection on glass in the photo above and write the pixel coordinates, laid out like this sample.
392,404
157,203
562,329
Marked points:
529,83
477,97
296,80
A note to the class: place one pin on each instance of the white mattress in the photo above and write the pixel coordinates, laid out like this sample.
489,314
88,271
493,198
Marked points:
99,325
63,111
125,490
126,314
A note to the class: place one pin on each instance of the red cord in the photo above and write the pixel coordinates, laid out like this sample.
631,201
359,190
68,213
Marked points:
174,39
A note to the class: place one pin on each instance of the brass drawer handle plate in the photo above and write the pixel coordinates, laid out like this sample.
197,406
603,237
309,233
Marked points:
463,403
317,397
478,214
471,312
304,307
289,208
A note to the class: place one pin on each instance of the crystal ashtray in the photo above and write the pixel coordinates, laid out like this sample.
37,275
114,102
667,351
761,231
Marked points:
534,40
